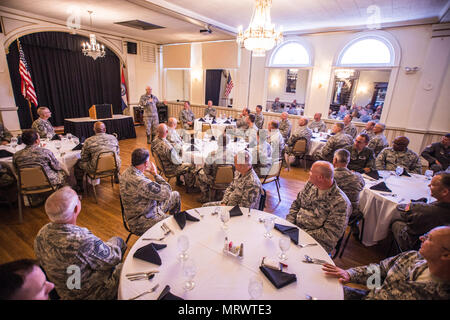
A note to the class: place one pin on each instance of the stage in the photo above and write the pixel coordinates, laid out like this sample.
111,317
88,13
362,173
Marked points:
120,124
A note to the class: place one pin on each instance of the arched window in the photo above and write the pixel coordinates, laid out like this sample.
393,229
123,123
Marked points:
290,54
367,51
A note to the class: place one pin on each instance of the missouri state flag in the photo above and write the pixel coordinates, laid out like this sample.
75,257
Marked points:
124,92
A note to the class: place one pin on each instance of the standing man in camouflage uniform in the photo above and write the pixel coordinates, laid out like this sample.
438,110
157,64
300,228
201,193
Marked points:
321,208
362,158
317,123
259,117
210,110
369,129
92,147
349,127
339,140
170,159
378,142
173,137
241,123
276,140
399,155
411,275
245,190
33,155
438,154
285,126
151,119
5,135
146,202
350,182
187,117
63,248
301,132
42,125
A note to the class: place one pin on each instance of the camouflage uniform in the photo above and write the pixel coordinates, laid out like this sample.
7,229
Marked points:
285,127
146,202
369,133
6,176
352,184
33,155
185,117
5,135
175,140
437,151
259,120
276,106
388,159
60,246
151,118
276,141
300,132
400,279
350,129
320,125
262,158
244,191
207,174
360,160
172,162
93,146
210,111
337,141
322,214
242,124
377,143
44,128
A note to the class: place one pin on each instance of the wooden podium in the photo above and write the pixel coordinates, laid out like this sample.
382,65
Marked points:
101,111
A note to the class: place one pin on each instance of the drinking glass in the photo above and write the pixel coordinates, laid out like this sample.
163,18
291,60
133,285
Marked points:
428,173
189,272
58,146
268,224
224,217
284,243
14,143
255,287
183,245
316,130
398,171
69,137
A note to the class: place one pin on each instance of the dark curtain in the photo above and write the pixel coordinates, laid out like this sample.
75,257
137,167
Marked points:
66,81
213,81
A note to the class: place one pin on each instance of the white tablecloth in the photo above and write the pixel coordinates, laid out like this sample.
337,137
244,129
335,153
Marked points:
220,276
316,144
217,128
379,206
205,147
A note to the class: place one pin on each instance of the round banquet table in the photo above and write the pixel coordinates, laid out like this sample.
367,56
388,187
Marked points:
379,206
317,143
221,276
217,128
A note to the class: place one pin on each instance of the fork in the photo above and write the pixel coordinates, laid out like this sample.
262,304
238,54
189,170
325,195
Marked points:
142,277
154,239
198,212
312,260
145,292
306,245
167,227
165,230
141,273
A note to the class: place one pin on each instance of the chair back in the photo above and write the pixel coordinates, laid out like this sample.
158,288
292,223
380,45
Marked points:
33,180
300,146
275,169
125,224
106,163
224,174
262,200
206,127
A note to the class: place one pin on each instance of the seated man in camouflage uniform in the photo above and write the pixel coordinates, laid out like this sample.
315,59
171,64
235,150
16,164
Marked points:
173,137
5,135
66,250
317,123
378,142
259,117
350,182
262,154
349,127
245,190
210,110
92,147
285,126
321,208
187,117
301,132
399,155
145,202
276,105
362,158
411,275
170,159
33,154
42,125
438,154
339,140
241,123
276,141
369,129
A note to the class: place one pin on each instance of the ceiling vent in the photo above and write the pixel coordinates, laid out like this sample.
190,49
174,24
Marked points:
138,24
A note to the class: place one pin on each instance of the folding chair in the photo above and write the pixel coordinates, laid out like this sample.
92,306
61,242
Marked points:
222,179
105,166
274,175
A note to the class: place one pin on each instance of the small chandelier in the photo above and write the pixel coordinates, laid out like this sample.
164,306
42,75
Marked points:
92,48
344,73
260,35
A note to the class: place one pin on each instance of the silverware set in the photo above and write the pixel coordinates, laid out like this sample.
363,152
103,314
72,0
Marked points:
141,275
308,259
198,212
304,245
166,229
145,292
155,239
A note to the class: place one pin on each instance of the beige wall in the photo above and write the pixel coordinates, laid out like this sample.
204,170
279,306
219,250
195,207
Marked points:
276,85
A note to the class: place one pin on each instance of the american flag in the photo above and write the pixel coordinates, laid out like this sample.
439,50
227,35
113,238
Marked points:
25,75
229,85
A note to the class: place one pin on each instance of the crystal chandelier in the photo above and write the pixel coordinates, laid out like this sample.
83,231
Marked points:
344,73
92,48
260,35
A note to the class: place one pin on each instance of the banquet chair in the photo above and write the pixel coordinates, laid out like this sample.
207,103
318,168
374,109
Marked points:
353,223
299,150
32,180
262,200
106,166
161,169
124,220
274,175
222,179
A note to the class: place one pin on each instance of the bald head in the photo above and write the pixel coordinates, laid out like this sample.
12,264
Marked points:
162,130
379,127
99,127
325,169
172,122
370,125
148,90
317,116
284,115
61,206
302,121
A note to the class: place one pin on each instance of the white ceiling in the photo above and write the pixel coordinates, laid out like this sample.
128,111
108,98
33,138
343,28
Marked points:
296,16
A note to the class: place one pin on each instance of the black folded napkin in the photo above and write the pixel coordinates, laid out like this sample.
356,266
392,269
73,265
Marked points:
214,121
56,137
373,174
19,139
148,253
405,173
380,187
235,211
235,139
201,120
227,122
323,140
292,232
213,138
181,218
5,154
78,147
278,278
194,148
166,295
420,200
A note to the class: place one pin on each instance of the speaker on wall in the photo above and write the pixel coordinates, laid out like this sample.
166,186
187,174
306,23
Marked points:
132,47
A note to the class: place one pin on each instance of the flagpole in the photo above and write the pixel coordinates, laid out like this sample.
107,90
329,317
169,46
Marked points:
31,112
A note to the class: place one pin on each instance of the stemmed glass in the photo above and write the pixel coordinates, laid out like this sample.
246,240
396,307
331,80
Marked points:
14,143
183,245
189,271
58,147
255,287
428,174
284,243
69,137
268,224
398,171
224,217
384,175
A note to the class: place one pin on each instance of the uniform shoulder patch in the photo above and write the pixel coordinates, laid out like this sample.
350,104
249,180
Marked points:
101,249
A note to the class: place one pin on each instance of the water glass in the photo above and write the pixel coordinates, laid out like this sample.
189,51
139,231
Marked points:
428,173
284,243
183,245
398,171
69,137
189,272
14,143
58,146
224,217
268,224
255,287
